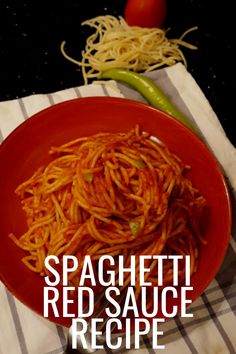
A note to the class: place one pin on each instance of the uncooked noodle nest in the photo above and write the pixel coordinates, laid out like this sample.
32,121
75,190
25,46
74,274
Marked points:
115,44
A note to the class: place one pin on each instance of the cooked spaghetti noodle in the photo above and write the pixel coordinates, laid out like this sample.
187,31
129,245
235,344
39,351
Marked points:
111,194
115,44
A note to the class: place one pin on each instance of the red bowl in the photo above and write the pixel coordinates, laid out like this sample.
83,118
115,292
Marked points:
27,148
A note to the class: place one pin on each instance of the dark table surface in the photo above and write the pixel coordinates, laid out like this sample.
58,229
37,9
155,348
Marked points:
31,33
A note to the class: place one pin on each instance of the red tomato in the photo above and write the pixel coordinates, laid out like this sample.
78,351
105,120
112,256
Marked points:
145,13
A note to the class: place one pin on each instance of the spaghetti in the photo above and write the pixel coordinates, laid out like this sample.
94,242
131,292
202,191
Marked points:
111,194
115,44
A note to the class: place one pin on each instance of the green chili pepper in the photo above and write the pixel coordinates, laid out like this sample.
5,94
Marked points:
139,163
134,227
88,177
153,94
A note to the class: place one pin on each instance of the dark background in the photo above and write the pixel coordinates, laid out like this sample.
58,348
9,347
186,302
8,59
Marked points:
31,32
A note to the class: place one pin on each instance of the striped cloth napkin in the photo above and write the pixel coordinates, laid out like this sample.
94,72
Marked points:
212,329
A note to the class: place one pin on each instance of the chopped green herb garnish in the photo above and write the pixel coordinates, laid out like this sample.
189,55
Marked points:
134,227
139,163
88,177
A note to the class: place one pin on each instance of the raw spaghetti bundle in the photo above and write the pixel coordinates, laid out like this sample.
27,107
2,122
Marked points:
111,193
115,44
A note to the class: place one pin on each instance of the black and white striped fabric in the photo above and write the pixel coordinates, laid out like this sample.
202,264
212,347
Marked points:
212,329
